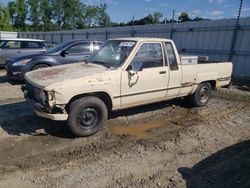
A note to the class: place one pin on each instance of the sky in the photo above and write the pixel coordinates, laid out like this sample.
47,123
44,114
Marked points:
124,10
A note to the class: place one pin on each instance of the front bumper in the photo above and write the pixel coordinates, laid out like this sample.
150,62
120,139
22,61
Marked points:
56,117
41,111
53,113
2,65
15,73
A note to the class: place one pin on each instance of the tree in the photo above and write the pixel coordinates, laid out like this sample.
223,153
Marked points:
58,13
102,17
4,19
184,17
74,13
69,14
157,16
46,12
21,12
91,12
34,14
12,11
149,19
199,19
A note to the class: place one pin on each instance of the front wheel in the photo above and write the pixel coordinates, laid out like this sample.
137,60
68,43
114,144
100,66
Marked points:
202,95
86,116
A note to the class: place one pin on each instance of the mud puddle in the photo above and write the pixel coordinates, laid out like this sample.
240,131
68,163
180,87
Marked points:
150,129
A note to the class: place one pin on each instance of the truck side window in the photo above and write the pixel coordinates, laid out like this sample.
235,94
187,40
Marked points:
171,56
150,54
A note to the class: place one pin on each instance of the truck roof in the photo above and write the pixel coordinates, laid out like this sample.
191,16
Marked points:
22,39
143,39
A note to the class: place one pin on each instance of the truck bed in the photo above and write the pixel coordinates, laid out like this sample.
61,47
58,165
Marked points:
209,62
218,71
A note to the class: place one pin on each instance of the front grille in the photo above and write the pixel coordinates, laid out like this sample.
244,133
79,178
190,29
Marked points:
32,91
9,73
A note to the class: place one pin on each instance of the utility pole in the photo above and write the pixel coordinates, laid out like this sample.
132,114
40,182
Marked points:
235,33
133,24
172,25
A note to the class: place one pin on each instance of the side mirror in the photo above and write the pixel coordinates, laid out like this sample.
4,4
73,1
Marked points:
136,67
64,52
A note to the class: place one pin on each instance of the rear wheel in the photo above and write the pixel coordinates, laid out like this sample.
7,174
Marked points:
202,95
87,115
40,66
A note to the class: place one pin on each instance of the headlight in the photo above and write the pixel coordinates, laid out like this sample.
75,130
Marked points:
41,96
51,96
21,62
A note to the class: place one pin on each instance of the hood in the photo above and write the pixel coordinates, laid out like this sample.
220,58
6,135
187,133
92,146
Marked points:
53,75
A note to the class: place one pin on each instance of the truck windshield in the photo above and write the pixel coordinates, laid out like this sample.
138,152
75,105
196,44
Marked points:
113,53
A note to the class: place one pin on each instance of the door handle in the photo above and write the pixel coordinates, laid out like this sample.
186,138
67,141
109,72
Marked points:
162,72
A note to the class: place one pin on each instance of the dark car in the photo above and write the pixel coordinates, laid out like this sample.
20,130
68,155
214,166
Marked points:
64,53
19,46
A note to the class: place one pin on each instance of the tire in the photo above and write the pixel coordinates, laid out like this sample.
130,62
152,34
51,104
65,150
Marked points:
202,95
86,116
40,66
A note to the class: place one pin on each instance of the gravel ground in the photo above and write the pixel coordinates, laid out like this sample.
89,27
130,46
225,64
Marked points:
162,145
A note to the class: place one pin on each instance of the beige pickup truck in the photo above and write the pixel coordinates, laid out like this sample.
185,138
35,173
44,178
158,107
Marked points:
124,73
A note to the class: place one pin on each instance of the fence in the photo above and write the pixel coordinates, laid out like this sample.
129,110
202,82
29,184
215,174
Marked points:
4,34
212,38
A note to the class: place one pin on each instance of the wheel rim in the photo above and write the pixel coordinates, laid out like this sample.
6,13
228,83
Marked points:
87,118
204,94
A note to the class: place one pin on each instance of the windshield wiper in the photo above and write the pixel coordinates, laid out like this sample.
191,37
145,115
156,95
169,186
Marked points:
100,63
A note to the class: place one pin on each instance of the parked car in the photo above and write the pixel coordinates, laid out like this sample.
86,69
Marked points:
124,73
50,44
10,48
64,53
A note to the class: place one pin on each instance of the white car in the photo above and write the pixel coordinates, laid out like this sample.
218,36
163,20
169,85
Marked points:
13,47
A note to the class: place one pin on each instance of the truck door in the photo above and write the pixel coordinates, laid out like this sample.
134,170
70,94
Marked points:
175,71
148,84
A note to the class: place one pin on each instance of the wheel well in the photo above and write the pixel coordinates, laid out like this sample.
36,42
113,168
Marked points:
212,83
101,95
40,64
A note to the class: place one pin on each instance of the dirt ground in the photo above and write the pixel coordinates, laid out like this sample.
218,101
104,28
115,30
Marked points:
162,145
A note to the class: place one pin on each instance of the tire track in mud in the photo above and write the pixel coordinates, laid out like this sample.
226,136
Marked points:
89,150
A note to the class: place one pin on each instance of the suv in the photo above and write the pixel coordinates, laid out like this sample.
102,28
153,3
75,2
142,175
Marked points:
67,52
13,47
